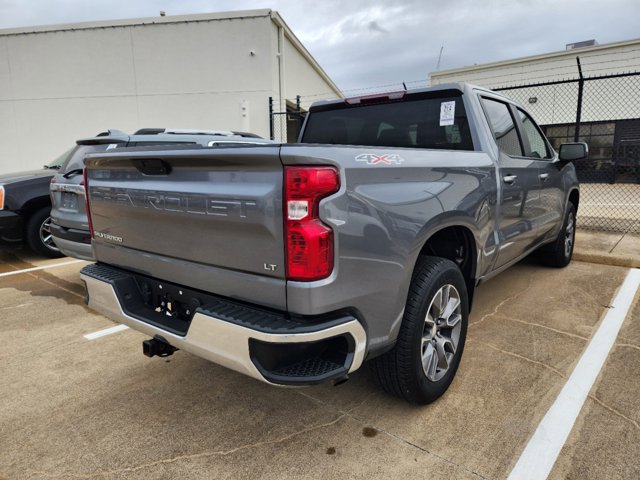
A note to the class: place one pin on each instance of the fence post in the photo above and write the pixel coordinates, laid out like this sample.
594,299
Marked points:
576,137
298,116
271,118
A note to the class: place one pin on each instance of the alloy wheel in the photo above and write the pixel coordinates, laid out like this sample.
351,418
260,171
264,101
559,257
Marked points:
45,235
569,234
441,332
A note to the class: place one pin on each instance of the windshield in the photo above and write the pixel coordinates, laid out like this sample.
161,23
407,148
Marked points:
57,163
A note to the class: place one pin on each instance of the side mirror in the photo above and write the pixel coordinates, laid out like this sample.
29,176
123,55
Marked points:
573,151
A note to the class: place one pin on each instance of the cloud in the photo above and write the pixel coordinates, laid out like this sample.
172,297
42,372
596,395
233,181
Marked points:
375,27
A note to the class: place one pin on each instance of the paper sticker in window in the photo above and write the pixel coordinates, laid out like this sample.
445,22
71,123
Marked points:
447,113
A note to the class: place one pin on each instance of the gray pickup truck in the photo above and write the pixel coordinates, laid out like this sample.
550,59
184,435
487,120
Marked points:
295,263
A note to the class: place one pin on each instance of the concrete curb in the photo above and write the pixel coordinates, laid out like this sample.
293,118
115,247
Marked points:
607,259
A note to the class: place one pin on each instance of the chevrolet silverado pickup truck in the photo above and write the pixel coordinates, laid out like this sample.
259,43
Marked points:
296,263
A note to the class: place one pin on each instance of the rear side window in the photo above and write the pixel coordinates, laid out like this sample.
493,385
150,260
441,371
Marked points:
503,127
75,161
416,123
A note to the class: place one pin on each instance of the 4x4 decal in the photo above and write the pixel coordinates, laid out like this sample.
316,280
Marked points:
384,159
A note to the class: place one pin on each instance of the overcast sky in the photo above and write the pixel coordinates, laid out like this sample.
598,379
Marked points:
372,43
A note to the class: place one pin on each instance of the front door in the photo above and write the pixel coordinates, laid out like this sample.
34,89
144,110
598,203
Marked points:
549,217
519,198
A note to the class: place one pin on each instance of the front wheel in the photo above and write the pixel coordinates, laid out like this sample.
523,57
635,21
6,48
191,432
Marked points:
38,234
422,364
559,253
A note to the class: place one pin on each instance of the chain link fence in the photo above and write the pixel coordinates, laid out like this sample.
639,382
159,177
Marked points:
604,112
285,126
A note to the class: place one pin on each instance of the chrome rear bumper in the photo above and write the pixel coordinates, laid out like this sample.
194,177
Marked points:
240,347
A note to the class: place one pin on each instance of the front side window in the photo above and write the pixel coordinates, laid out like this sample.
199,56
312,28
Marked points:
537,145
503,127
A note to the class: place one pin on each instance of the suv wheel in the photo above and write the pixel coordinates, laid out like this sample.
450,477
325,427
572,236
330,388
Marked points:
422,364
38,234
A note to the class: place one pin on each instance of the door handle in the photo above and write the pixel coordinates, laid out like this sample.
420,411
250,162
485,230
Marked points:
509,179
543,176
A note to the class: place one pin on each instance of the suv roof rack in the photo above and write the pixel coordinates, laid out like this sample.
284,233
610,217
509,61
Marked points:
149,131
246,134
194,131
190,131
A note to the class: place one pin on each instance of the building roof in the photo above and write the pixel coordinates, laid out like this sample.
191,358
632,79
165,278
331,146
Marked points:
132,22
199,17
536,58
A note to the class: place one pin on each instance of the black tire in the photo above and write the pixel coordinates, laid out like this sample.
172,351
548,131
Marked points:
558,254
36,236
400,371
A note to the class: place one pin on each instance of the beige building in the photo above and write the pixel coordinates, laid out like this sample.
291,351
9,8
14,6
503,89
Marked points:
551,104
595,59
216,71
610,113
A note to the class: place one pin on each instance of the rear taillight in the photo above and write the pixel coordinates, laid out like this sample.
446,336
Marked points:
86,198
1,197
309,248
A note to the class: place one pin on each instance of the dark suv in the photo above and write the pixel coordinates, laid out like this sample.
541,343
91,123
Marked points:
69,224
25,206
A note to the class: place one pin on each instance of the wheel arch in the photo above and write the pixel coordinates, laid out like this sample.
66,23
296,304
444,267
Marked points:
574,197
33,205
457,243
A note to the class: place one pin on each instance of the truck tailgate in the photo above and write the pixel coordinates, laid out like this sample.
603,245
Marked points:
211,218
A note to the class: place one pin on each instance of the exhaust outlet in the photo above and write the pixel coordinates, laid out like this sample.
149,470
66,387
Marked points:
157,346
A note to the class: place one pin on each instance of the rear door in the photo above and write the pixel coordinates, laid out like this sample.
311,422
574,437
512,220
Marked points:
520,198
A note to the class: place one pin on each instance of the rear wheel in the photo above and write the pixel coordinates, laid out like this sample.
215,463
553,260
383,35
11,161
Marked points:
427,353
38,234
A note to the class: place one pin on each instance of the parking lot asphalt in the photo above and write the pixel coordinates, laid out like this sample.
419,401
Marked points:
77,408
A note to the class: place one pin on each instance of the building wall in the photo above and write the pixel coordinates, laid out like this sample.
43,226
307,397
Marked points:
557,103
301,77
597,60
58,86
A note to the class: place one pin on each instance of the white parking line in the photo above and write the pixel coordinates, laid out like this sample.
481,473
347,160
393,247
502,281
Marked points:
543,448
106,331
45,267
